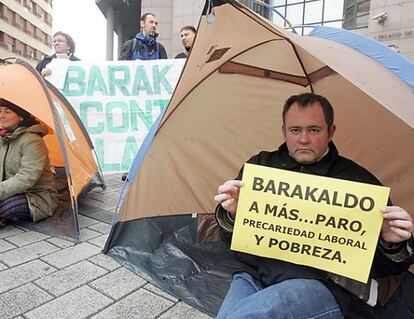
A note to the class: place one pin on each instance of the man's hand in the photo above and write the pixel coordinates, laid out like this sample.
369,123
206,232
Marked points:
46,72
228,195
397,225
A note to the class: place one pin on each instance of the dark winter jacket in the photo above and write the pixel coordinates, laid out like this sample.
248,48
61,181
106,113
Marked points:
25,169
349,293
42,64
143,48
181,55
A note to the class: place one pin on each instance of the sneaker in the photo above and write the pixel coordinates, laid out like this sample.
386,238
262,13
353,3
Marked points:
124,176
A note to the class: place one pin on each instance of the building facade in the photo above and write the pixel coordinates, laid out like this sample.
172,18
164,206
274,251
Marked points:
392,23
388,21
25,29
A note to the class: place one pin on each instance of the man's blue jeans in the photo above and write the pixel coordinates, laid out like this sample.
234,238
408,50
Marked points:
291,299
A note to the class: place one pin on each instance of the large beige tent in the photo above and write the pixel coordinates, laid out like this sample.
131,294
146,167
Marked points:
227,107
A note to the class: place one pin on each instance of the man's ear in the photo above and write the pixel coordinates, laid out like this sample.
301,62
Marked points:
284,131
332,130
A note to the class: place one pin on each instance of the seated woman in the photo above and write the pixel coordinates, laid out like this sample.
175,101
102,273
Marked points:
64,48
27,185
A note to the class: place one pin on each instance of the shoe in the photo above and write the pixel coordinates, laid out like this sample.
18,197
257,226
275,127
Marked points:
124,176
3,223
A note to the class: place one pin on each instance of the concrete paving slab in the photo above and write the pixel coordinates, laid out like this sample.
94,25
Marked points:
140,304
24,254
105,262
103,216
5,246
118,283
27,238
97,213
99,241
100,227
160,292
71,255
21,300
61,243
182,310
78,304
70,278
17,276
86,282
86,221
10,231
86,234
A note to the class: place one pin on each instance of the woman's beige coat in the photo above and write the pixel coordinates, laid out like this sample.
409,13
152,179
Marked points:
25,169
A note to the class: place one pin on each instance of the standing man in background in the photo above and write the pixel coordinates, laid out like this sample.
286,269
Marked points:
145,45
187,34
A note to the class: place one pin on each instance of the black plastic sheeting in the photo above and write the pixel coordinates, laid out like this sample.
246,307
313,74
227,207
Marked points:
165,252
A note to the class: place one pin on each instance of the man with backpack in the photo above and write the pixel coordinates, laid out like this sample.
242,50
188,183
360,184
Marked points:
144,46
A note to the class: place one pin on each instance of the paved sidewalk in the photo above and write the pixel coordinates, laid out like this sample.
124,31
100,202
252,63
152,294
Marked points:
51,278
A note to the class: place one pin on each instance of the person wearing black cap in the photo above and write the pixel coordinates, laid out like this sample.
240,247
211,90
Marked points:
27,184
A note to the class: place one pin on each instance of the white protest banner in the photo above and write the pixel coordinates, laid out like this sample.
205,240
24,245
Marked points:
118,102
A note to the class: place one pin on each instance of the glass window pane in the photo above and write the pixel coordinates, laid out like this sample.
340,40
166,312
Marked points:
281,10
278,2
363,7
278,20
294,14
362,21
333,9
313,12
293,1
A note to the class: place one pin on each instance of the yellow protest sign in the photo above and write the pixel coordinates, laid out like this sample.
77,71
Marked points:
322,222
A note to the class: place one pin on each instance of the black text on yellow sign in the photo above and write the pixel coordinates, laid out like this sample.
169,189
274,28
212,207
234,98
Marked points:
322,222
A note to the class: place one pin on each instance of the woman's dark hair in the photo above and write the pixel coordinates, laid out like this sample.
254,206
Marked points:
28,119
69,40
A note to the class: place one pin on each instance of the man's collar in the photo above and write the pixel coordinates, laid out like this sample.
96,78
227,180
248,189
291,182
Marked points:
320,167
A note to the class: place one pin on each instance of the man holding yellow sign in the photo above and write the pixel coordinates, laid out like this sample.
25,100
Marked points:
308,245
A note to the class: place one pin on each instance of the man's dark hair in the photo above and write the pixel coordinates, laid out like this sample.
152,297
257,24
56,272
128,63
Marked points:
145,16
306,99
189,27
69,40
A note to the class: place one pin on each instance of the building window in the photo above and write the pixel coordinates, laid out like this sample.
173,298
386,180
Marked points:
31,6
356,14
308,12
258,8
10,47
313,12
